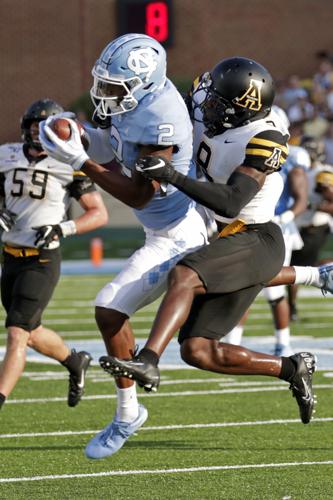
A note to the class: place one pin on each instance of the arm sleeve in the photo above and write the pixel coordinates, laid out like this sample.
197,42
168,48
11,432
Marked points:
80,185
226,200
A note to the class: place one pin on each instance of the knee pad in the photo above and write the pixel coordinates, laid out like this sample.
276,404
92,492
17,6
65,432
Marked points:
22,320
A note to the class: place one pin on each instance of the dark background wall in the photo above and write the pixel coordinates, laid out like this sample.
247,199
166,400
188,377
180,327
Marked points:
47,47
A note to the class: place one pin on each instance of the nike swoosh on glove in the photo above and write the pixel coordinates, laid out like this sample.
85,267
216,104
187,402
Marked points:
156,168
46,234
71,151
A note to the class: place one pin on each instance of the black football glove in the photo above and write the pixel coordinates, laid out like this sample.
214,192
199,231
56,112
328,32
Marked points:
156,168
7,219
46,234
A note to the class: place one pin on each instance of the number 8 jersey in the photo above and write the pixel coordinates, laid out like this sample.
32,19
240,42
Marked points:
37,190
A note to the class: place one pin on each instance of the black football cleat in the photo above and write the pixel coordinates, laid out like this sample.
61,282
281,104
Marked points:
146,374
301,384
77,377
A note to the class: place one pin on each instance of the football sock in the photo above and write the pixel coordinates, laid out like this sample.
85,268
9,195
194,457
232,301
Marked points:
127,404
71,362
149,356
2,399
282,336
307,275
288,369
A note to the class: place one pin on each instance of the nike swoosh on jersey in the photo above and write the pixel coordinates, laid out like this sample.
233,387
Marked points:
228,142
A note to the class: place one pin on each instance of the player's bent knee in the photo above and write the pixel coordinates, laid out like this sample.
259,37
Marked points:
17,337
192,353
183,276
109,320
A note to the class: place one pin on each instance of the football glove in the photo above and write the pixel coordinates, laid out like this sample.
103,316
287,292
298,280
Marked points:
46,234
156,168
71,151
7,219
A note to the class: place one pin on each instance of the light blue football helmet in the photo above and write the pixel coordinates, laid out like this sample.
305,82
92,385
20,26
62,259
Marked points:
128,69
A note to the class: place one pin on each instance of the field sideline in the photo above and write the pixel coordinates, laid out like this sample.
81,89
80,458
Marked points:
207,436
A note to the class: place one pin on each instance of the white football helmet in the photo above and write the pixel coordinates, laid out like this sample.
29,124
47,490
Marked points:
128,69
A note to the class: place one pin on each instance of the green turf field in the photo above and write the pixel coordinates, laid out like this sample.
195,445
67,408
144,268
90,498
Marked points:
207,436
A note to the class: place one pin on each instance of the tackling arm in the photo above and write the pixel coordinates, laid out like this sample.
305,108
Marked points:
225,199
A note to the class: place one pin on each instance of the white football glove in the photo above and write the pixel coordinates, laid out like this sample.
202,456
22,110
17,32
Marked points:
71,151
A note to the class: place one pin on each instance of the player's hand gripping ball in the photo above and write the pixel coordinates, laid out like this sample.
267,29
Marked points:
61,127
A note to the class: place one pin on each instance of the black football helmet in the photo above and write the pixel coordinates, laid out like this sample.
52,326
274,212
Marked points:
315,147
238,91
37,112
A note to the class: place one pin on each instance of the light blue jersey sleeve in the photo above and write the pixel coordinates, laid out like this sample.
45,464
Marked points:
100,149
160,119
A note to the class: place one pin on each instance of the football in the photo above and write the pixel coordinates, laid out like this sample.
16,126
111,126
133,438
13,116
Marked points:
62,128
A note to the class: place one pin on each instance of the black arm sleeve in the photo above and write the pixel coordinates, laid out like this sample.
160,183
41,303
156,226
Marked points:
80,185
225,199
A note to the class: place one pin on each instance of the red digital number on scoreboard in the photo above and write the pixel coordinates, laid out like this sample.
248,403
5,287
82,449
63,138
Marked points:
152,17
157,21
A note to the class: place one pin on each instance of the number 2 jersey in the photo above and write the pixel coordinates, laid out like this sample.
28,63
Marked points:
160,119
37,190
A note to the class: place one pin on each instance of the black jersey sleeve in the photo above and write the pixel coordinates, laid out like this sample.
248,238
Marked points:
266,151
80,185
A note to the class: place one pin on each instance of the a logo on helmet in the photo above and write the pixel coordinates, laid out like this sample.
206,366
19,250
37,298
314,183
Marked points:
251,99
142,61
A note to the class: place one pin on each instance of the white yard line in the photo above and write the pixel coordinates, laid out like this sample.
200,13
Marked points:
163,471
168,427
167,394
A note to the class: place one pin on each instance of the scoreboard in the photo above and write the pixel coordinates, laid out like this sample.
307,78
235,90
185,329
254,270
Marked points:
151,17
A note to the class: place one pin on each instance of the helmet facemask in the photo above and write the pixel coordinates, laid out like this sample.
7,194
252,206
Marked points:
113,96
218,113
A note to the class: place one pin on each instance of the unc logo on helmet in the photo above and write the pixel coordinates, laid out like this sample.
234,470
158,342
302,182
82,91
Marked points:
251,99
142,61
128,69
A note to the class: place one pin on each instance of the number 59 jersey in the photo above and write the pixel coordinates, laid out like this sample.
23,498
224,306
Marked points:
37,191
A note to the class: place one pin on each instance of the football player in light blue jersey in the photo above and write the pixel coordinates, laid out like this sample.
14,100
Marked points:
140,113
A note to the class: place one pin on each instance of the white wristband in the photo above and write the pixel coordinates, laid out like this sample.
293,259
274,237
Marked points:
78,162
287,217
68,228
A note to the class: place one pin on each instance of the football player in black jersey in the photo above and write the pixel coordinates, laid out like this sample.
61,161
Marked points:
36,191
